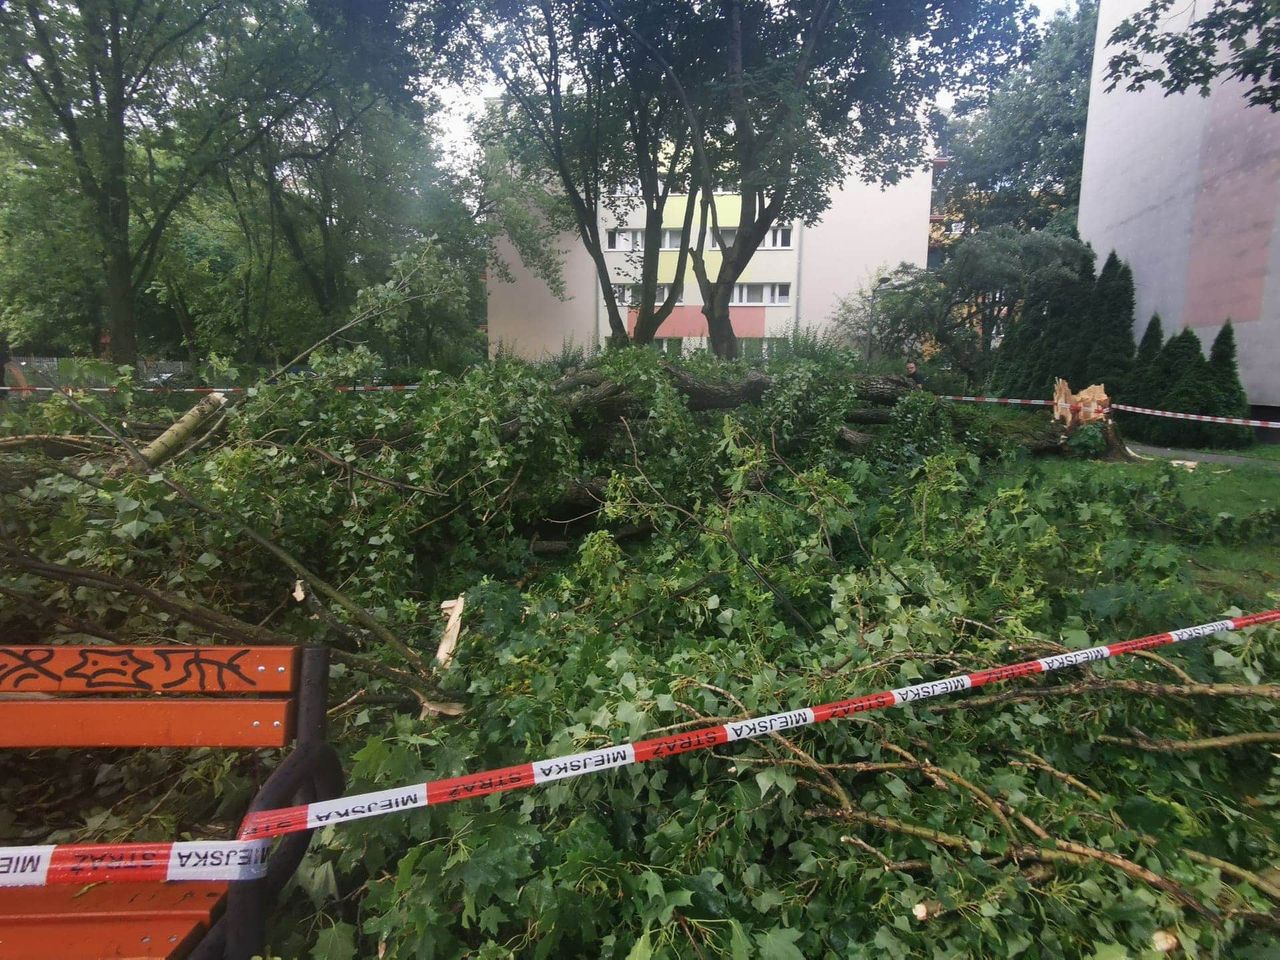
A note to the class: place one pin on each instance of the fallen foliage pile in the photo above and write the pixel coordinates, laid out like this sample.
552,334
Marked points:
647,548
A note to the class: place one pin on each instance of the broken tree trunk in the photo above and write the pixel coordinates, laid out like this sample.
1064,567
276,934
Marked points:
854,439
172,440
589,392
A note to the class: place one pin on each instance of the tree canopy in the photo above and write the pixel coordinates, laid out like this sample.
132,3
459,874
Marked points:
775,102
1226,39
1017,159
188,179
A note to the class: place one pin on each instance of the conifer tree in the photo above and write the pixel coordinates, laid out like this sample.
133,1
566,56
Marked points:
1189,389
1009,376
1110,350
1081,325
1230,399
1015,359
1145,363
1144,384
1063,346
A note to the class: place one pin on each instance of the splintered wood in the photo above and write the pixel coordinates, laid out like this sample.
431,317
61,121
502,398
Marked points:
1074,409
449,641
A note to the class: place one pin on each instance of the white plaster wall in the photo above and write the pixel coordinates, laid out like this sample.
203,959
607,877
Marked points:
866,228
1186,189
524,315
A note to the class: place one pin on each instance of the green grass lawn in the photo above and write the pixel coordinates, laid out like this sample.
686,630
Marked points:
1261,451
1243,573
1247,574
1264,452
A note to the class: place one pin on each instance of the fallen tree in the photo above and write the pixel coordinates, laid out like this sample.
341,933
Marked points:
652,548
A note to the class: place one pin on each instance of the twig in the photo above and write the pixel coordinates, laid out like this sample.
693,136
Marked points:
1187,746
1063,851
66,619
365,619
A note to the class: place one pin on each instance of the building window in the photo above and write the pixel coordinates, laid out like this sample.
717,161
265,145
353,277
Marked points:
761,293
670,240
624,240
779,238
724,240
628,294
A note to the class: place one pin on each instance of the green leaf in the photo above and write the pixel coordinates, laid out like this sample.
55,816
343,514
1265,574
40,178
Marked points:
779,944
335,943
641,949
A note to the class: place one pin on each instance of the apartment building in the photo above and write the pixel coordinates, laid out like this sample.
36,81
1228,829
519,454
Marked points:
1186,189
796,278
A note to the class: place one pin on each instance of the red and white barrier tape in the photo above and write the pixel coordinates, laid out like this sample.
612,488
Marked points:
273,823
82,863
1240,421
1001,400
1145,411
245,858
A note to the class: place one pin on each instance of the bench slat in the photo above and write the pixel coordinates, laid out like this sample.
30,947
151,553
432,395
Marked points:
50,669
100,901
131,938
145,723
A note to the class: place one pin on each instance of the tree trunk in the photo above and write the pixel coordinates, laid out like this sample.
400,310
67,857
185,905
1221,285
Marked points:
589,396
119,302
724,342
114,210
164,447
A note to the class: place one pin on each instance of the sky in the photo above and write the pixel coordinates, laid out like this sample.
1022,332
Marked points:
460,104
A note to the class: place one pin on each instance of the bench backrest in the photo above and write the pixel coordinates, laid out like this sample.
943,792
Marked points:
69,696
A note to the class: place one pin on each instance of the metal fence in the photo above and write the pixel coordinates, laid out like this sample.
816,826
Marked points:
80,371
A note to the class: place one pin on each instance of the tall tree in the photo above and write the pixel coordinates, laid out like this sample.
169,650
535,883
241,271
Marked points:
585,107
1145,362
1110,346
1001,287
1182,383
147,99
1231,39
1230,397
1018,159
790,97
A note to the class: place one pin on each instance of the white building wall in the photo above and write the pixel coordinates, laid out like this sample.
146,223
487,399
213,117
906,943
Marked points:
1186,190
866,229
527,319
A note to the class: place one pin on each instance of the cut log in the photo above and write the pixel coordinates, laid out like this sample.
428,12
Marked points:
720,396
853,439
172,440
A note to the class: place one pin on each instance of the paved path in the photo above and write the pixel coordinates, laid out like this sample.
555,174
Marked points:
1165,453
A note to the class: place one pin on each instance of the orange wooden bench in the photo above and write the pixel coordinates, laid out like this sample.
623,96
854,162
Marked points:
234,697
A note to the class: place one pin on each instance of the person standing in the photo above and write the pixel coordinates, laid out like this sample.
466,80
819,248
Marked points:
913,374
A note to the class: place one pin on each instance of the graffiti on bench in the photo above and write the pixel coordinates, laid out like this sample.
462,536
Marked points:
141,669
